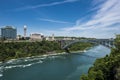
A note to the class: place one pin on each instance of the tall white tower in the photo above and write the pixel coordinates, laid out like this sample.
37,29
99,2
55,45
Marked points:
25,31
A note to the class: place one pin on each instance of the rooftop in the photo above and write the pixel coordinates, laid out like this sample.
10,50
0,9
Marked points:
8,27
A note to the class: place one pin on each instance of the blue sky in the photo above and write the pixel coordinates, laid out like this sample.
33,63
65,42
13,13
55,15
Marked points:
81,18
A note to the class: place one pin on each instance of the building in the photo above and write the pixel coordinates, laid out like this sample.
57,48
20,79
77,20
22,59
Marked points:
19,37
36,36
25,31
50,38
8,32
53,38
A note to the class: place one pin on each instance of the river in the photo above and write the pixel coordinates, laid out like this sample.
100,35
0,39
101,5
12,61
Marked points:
55,67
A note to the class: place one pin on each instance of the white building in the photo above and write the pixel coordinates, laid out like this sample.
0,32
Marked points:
53,38
50,38
36,36
18,37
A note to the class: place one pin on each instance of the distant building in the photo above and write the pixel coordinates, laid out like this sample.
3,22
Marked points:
8,32
19,37
36,36
50,38
53,38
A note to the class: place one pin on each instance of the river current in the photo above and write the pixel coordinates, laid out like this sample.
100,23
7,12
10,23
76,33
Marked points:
53,67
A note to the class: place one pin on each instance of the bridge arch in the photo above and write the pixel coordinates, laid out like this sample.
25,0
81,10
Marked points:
105,42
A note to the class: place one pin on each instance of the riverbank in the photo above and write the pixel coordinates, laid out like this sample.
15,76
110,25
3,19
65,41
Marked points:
44,55
106,68
28,57
14,50
27,49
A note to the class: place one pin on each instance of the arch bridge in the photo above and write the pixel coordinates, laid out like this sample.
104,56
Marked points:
65,44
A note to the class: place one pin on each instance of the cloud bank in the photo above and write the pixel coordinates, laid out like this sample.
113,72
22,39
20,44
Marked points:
103,23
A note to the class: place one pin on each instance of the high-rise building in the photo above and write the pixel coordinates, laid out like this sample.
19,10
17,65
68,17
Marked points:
8,32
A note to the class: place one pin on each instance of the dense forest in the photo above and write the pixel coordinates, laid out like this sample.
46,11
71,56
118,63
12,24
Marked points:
22,49
10,50
107,68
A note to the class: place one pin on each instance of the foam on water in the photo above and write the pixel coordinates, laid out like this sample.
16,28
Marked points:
25,62
39,62
52,57
1,75
11,61
22,66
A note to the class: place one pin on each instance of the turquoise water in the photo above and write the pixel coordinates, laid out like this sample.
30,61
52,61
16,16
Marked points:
57,67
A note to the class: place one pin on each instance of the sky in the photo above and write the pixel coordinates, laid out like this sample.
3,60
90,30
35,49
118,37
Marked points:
79,18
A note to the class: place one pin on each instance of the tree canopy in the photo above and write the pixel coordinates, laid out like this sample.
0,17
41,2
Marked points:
105,68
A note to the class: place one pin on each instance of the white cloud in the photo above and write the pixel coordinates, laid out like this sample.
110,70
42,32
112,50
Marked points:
101,25
108,15
53,21
46,5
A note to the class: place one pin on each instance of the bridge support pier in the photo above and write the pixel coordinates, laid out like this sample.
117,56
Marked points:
67,50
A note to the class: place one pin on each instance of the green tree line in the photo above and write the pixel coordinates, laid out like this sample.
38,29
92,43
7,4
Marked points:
22,49
10,50
80,46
